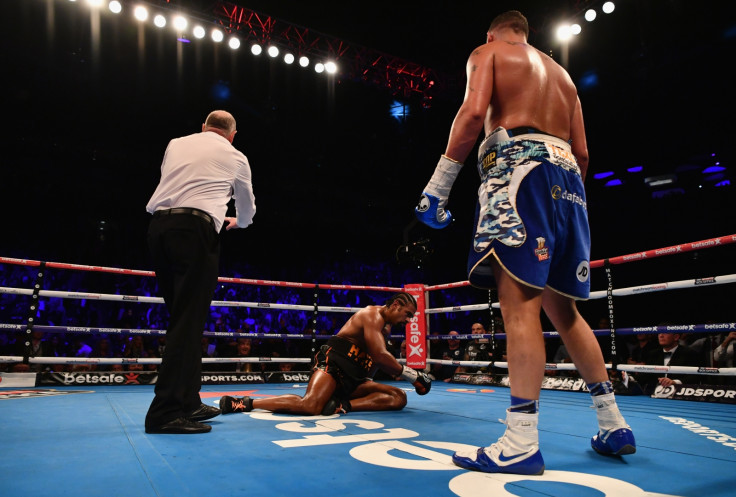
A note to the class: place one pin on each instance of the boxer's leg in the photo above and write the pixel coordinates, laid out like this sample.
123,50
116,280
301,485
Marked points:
517,451
319,391
374,396
614,435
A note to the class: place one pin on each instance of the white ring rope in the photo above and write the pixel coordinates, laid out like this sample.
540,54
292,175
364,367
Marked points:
160,300
635,290
146,360
638,368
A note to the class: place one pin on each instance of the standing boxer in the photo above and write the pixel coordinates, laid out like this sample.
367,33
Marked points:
532,231
341,378
200,173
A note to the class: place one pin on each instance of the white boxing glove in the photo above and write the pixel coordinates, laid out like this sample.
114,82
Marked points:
421,382
431,208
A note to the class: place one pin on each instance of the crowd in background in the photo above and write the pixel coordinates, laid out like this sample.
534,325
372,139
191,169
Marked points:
705,350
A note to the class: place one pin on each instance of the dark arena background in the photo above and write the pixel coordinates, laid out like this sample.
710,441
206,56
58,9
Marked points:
91,98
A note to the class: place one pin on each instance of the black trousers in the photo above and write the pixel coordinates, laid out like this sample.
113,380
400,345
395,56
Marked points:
185,250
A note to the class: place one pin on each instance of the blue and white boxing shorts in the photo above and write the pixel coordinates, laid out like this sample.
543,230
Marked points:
531,214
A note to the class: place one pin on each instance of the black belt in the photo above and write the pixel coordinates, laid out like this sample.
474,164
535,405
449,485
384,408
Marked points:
527,130
187,210
524,130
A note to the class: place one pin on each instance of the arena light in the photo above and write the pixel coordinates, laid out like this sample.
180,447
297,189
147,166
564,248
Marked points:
256,49
217,35
614,182
319,67
304,61
635,169
159,21
273,51
564,33
115,7
588,80
713,169
331,67
289,58
140,13
399,110
608,7
665,179
180,23
590,15
234,43
199,32
575,29
603,175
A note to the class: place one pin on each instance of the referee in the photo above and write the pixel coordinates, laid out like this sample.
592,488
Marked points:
200,173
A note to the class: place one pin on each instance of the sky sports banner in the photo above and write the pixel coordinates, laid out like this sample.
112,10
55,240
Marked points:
416,330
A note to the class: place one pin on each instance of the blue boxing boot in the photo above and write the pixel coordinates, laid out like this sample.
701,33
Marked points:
614,436
516,452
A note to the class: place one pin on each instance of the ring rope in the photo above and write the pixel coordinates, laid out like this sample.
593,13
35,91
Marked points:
724,279
652,330
221,279
160,300
649,254
147,360
640,368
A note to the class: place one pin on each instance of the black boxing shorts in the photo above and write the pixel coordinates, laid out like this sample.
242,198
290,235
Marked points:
345,362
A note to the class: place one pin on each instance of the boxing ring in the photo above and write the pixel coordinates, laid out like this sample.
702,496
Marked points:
72,432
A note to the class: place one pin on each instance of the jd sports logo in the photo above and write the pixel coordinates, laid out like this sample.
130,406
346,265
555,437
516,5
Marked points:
583,271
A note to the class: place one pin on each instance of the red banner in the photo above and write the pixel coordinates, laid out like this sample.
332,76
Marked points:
416,330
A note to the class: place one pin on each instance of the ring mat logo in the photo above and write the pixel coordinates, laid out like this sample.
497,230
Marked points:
24,394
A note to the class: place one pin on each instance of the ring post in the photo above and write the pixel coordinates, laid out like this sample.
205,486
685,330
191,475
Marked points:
611,322
416,331
32,311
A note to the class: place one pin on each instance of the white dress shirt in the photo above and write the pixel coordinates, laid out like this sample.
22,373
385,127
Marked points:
725,355
204,171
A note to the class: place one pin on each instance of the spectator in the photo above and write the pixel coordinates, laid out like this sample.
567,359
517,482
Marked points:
134,347
80,347
669,353
477,350
59,347
40,348
450,350
645,345
561,356
103,349
244,349
402,350
724,353
209,350
286,367
160,346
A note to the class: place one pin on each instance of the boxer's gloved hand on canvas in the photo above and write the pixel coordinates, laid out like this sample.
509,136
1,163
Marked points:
421,381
